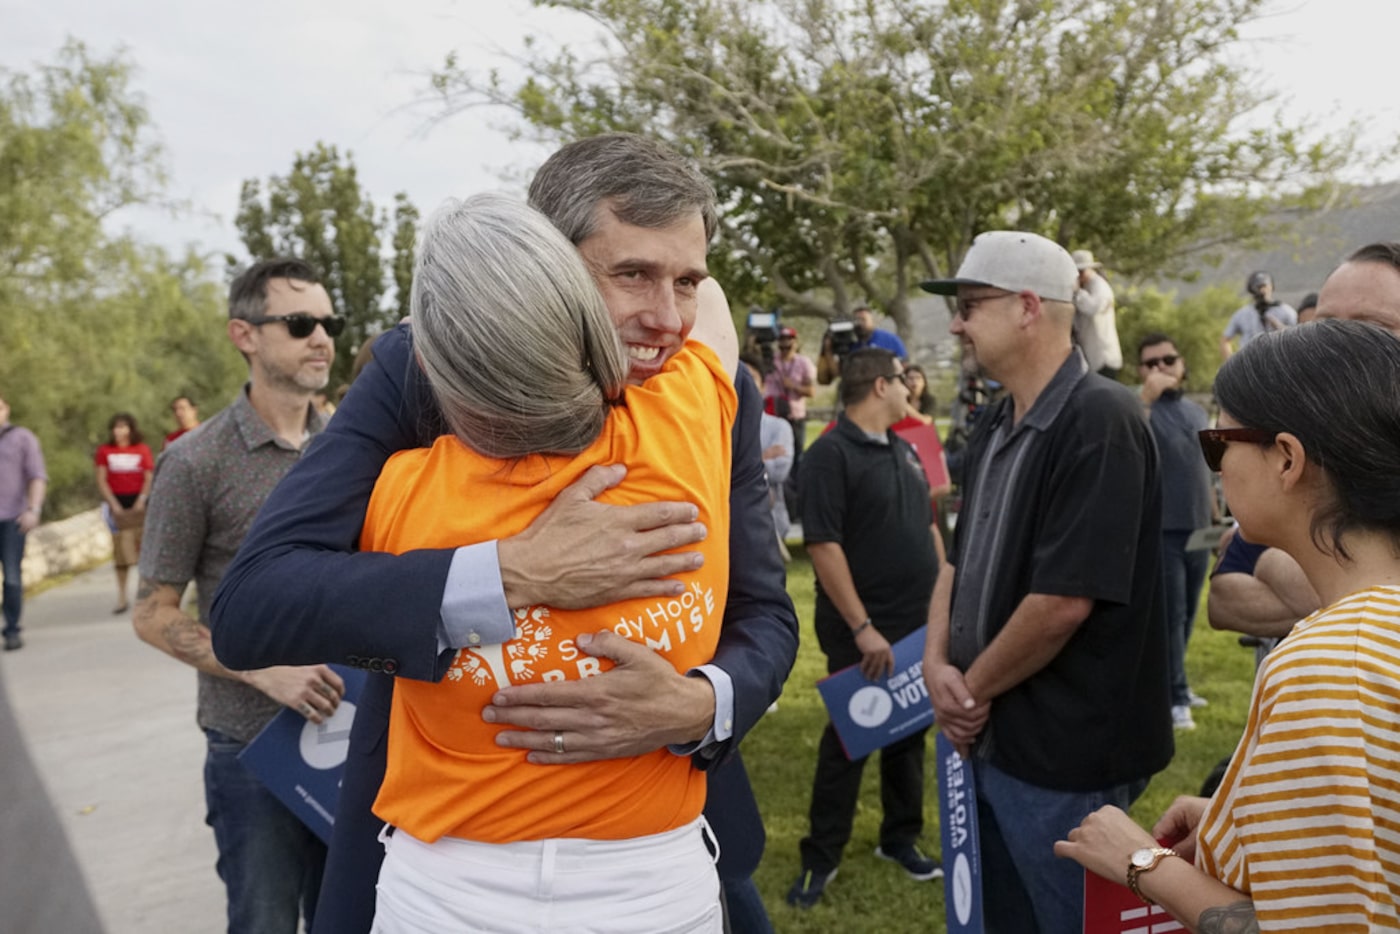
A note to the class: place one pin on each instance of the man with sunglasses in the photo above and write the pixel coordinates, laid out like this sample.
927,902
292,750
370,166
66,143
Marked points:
207,490
868,524
1187,503
1046,657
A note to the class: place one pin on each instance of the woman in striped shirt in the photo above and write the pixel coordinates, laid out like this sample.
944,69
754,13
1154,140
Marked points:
1304,832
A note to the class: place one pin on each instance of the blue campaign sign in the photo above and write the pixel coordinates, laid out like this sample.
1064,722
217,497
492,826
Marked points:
869,715
962,857
300,762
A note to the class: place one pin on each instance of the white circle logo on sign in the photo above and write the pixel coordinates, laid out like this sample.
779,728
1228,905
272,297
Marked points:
962,888
325,745
870,706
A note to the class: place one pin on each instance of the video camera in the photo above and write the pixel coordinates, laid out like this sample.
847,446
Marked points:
841,336
761,331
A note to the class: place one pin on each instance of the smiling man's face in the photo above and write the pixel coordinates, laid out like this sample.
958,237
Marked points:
648,278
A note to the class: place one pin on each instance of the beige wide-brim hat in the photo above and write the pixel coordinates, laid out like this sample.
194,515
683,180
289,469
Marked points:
1083,260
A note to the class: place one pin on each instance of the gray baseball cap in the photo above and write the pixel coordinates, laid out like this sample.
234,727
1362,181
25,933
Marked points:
1016,261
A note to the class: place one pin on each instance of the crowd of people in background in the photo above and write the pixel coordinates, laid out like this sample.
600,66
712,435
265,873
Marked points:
518,753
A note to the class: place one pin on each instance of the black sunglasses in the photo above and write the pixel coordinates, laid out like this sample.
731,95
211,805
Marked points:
966,306
1215,440
1164,360
303,324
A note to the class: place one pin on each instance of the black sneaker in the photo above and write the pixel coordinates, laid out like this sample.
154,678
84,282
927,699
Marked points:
13,641
808,888
918,865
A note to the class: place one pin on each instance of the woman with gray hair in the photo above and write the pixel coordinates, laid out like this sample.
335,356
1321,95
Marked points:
1304,831
520,351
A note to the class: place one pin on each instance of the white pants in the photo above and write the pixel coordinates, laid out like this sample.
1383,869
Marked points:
659,884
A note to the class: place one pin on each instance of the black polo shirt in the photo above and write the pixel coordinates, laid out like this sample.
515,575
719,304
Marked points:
1068,503
870,496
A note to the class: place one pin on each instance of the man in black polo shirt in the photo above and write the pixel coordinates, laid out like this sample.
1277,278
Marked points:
1047,654
867,521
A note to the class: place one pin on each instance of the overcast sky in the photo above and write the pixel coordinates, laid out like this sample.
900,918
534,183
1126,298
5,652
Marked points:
235,90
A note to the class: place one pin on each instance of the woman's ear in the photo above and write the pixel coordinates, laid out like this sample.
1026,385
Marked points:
1291,459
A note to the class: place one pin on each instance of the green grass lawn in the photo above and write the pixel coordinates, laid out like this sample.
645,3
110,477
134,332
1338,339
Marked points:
870,894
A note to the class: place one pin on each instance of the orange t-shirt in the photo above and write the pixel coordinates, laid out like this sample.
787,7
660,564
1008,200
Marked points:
446,775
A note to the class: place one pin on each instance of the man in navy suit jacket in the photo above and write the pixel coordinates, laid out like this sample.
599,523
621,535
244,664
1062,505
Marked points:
642,218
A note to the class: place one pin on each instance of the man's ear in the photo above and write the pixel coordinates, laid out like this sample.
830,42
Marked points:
240,333
1290,459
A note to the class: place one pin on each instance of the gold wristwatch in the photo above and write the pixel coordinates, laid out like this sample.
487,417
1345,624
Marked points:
1146,860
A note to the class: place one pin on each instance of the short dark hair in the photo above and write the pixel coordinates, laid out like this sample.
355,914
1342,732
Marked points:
186,398
1383,251
1150,340
130,421
861,369
645,182
247,295
1309,301
1342,407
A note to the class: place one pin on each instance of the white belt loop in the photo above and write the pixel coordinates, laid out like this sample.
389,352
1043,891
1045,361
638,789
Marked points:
707,834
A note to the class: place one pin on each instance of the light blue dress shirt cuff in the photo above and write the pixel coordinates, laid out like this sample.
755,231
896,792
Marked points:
474,610
723,727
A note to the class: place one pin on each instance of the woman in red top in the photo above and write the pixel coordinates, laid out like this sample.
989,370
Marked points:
124,470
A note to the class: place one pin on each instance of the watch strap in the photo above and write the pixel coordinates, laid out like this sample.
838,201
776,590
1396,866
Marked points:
1159,853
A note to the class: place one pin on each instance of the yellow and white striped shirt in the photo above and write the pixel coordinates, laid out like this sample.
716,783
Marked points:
1307,819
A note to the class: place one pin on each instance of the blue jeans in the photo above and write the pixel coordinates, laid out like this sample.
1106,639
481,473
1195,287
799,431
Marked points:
743,907
269,860
1183,576
1026,888
11,556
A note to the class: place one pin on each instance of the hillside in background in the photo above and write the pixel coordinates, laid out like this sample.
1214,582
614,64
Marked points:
1305,250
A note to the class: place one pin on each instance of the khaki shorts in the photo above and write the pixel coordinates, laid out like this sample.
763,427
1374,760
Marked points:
126,540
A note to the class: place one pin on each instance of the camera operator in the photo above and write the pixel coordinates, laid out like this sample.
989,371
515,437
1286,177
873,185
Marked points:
1260,316
846,335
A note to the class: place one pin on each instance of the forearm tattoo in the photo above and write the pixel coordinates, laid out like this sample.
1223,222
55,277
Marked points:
1232,919
189,640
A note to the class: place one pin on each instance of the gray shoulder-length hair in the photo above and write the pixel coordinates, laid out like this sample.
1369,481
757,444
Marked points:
511,331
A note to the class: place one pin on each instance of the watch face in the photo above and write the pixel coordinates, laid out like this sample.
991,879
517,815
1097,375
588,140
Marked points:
1142,858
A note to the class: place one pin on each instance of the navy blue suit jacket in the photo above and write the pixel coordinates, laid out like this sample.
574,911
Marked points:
298,594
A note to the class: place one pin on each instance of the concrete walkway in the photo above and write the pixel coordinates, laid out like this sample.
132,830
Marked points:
110,723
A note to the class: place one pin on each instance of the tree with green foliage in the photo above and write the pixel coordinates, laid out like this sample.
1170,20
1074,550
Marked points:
319,212
406,219
93,323
857,146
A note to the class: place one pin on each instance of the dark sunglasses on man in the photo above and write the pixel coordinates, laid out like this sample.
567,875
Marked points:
1164,360
1214,441
302,324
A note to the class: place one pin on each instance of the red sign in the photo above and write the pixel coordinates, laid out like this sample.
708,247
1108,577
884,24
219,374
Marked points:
1109,908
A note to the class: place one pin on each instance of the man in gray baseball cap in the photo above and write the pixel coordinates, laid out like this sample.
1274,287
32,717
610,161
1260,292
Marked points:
1046,655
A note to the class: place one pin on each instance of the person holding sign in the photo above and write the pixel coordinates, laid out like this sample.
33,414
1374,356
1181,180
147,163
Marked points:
1046,657
1300,834
868,524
